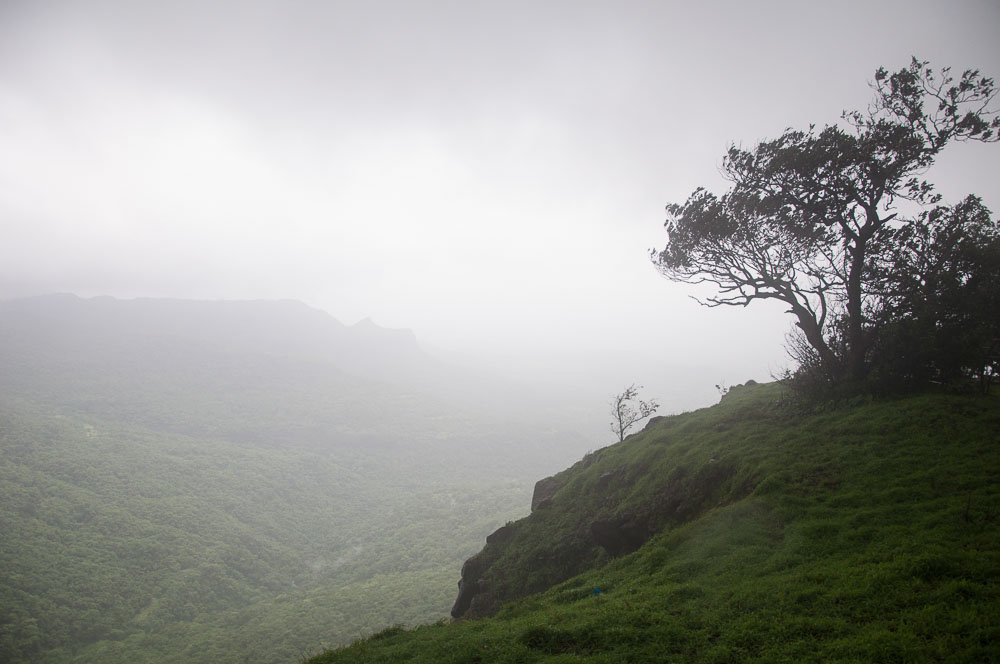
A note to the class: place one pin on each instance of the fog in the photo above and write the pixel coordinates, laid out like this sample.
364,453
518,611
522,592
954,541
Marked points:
436,217
490,175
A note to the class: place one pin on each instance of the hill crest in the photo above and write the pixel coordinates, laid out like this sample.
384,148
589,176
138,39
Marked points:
866,533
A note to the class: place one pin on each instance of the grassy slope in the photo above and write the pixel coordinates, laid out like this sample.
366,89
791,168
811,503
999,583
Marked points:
870,534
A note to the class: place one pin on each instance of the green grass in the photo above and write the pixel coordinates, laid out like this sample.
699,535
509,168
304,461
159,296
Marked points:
865,534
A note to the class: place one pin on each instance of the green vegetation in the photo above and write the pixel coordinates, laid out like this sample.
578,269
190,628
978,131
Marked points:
122,544
167,498
890,289
170,501
867,533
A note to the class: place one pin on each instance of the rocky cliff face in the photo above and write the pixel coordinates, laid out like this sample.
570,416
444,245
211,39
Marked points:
604,506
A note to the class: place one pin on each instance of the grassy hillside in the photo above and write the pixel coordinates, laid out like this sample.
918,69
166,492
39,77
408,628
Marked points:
864,534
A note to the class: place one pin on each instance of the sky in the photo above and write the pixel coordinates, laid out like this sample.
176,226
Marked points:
491,175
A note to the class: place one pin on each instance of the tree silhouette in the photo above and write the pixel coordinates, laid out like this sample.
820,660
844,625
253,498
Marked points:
625,414
811,213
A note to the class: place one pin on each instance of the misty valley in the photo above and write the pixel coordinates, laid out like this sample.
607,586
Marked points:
545,475
190,481
207,482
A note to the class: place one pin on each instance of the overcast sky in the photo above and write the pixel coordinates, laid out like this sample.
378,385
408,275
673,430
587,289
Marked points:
488,174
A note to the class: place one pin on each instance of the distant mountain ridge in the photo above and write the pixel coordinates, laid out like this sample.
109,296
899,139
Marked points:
285,328
170,469
182,366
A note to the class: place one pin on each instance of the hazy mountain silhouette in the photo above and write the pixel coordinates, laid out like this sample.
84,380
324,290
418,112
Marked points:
106,327
289,373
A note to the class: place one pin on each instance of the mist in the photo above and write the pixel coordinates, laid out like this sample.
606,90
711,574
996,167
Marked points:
491,176
300,302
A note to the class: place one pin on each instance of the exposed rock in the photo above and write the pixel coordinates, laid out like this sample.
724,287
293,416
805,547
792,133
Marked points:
466,592
484,603
468,585
602,518
545,489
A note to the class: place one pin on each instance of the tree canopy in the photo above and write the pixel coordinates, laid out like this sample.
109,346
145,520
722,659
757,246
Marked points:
816,217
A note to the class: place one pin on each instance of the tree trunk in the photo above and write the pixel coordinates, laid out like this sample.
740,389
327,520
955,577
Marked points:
814,335
855,332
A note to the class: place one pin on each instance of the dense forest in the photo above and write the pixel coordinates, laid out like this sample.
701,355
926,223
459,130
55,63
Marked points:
168,497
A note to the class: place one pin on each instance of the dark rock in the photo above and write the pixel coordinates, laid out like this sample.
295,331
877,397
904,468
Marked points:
466,592
505,571
468,585
473,568
484,604
545,489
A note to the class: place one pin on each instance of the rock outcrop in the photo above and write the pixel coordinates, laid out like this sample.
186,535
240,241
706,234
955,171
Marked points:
474,597
606,505
545,489
468,586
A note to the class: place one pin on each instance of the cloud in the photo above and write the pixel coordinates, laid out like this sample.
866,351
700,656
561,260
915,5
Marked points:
487,173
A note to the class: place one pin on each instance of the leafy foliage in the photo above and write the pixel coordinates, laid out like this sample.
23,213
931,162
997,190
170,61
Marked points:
812,213
940,318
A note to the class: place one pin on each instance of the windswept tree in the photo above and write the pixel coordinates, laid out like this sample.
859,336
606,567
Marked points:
812,215
939,319
627,409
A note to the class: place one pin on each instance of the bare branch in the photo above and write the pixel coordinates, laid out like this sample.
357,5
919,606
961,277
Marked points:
626,414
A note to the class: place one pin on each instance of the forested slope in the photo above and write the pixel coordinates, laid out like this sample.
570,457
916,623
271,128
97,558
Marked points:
194,485
121,539
864,533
